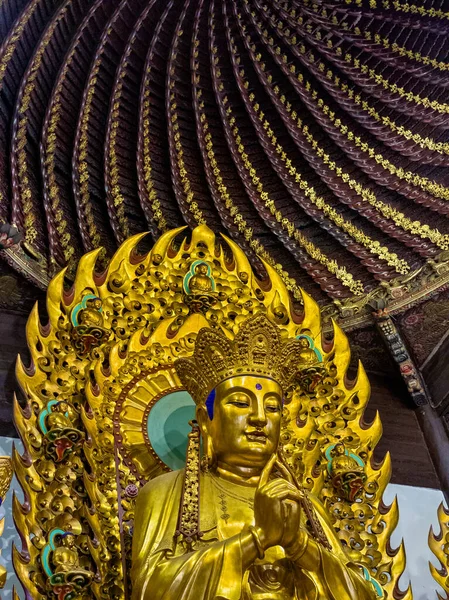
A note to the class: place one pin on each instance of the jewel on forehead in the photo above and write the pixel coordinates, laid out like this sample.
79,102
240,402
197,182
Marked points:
258,386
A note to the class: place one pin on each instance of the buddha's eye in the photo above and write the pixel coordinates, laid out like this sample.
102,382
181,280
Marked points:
273,407
239,401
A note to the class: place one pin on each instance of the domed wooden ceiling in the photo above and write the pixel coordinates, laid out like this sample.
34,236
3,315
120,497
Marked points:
315,134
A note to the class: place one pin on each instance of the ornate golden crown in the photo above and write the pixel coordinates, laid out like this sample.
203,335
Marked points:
257,349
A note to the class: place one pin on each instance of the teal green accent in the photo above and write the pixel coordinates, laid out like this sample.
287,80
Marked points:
49,548
328,451
80,306
357,459
376,584
74,314
185,283
168,427
191,273
330,458
44,413
312,345
45,562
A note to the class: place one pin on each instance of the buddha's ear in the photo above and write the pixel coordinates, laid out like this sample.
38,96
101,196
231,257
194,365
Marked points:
209,459
203,420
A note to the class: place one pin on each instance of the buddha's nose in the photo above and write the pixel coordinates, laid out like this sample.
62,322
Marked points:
258,417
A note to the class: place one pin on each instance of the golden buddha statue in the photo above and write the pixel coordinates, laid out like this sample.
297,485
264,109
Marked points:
238,527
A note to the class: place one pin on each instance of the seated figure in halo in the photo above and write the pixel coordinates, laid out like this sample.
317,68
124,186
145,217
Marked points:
238,527
308,356
201,282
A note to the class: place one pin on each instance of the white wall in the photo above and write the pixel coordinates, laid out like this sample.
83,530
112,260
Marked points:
418,510
9,533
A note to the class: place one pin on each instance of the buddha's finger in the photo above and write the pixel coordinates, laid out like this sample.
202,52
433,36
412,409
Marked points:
272,486
282,484
288,494
265,475
287,507
285,472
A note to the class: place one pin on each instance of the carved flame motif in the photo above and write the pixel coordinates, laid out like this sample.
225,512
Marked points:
439,544
88,490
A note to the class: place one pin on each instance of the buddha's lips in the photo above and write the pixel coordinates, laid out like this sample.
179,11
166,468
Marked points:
257,436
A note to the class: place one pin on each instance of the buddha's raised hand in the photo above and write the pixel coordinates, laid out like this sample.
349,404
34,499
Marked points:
276,509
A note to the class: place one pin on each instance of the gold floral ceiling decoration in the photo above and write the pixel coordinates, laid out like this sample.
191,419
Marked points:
314,134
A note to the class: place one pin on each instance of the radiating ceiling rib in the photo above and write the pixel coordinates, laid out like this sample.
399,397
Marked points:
58,136
15,52
29,112
120,153
156,194
314,134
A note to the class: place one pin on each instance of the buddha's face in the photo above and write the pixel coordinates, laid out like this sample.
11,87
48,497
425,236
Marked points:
246,421
201,269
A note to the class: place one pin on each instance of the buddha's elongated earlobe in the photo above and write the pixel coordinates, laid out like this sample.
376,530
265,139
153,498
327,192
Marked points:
208,460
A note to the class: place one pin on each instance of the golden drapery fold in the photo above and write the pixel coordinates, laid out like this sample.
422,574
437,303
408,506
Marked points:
164,570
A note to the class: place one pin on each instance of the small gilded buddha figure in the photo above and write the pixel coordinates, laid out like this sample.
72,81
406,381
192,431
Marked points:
199,287
65,557
69,579
307,356
348,476
91,315
234,524
56,418
201,283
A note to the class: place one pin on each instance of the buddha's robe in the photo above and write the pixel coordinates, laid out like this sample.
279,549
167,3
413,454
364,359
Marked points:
163,569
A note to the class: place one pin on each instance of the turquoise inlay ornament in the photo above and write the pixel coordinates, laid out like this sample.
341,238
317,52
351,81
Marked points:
44,414
48,549
89,302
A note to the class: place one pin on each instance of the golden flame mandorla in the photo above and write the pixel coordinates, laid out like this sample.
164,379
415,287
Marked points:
105,358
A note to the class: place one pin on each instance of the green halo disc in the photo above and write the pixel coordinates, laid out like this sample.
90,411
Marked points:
168,427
